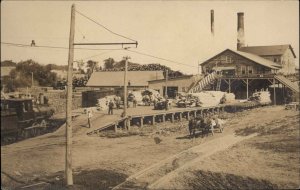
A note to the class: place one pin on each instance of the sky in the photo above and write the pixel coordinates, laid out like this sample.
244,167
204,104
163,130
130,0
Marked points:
174,30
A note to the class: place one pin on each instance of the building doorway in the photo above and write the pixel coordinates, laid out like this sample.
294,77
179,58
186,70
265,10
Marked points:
171,91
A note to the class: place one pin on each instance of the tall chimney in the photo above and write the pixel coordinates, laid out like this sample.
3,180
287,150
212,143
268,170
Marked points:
240,31
212,22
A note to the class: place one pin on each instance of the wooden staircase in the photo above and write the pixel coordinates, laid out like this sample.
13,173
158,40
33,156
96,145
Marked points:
289,84
209,79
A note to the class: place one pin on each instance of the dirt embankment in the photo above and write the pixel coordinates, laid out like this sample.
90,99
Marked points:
268,161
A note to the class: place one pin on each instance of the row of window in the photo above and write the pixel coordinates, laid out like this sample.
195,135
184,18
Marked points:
247,69
226,59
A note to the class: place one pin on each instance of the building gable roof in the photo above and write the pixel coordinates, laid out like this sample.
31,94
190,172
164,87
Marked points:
268,50
116,78
172,79
255,58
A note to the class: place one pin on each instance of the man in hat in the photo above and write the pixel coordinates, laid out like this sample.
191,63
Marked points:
110,107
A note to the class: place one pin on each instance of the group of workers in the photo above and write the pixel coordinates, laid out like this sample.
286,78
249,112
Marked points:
205,124
117,101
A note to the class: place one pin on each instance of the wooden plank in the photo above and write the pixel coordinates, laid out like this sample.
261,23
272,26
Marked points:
172,118
153,119
142,122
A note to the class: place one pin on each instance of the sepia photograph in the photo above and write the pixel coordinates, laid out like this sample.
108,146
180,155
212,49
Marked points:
150,95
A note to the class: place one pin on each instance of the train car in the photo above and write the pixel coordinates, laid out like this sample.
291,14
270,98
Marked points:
21,119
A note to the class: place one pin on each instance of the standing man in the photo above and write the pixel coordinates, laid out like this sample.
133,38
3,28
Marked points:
118,102
134,102
167,104
90,115
192,127
110,107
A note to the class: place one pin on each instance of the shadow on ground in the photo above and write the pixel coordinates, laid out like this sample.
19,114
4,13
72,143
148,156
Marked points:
83,180
212,180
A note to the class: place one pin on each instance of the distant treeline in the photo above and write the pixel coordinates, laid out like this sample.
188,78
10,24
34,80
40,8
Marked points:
21,76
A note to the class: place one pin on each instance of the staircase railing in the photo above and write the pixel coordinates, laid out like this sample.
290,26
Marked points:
288,83
204,82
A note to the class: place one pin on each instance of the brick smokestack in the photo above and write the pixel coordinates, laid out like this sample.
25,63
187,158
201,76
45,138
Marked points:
212,22
240,31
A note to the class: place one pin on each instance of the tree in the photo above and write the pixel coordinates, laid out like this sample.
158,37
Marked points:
21,76
80,65
109,63
91,65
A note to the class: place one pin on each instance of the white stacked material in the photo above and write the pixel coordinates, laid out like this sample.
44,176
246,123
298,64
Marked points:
138,96
103,102
217,94
209,98
262,96
229,97
155,94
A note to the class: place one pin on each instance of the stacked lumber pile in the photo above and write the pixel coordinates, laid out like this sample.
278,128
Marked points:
262,97
102,103
138,96
208,98
229,97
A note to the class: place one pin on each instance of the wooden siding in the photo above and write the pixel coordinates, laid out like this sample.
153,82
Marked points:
286,60
241,64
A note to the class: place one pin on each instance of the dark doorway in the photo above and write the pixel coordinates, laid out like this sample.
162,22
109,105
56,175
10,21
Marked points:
171,91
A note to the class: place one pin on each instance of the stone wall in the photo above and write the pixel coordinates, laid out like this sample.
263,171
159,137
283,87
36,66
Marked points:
57,99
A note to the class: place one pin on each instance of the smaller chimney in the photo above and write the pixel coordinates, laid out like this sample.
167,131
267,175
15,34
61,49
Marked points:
212,22
240,31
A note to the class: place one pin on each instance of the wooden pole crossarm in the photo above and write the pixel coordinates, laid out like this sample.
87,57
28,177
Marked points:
105,44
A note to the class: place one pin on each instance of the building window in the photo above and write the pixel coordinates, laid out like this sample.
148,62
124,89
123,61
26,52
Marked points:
228,59
243,68
250,69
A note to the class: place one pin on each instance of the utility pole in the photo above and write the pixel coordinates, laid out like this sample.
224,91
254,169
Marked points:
198,68
31,79
68,169
166,89
212,22
125,90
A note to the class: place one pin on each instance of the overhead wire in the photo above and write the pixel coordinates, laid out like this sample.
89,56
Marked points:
66,48
160,58
52,47
96,55
83,36
92,20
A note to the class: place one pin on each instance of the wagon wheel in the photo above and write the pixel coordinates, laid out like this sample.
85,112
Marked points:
43,126
24,134
33,130
20,135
